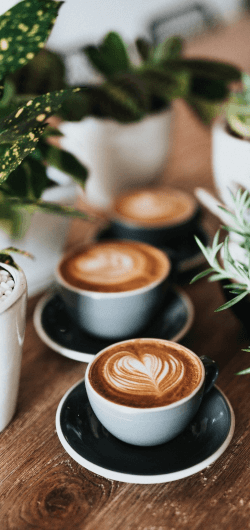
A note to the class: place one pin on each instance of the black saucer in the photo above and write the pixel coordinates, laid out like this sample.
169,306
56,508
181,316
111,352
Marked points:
183,251
91,445
55,328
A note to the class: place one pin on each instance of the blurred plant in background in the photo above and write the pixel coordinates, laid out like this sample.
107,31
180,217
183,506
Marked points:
24,154
130,92
235,269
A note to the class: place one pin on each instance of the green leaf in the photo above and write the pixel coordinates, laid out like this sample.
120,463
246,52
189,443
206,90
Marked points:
52,208
32,114
169,49
165,83
23,30
110,57
232,302
204,250
29,180
114,102
201,275
206,110
216,239
12,155
65,162
235,286
217,276
7,95
143,48
246,371
208,69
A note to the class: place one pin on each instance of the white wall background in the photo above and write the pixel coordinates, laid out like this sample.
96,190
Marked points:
83,21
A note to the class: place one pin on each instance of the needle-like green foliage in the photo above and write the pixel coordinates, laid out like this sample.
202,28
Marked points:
236,271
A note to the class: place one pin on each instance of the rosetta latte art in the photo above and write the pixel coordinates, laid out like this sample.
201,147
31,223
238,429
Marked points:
149,375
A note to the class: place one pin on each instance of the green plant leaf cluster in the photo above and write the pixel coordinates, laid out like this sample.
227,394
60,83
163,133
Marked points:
23,118
237,272
130,92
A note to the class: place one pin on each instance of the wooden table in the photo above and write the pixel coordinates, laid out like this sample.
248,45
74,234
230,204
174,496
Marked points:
42,488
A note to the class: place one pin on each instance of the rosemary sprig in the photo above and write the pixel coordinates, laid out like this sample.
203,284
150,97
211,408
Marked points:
237,271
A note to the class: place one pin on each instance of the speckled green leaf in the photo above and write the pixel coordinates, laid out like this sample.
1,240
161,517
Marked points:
12,155
23,30
34,113
29,180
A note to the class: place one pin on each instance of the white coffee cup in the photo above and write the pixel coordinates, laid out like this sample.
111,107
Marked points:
114,315
149,425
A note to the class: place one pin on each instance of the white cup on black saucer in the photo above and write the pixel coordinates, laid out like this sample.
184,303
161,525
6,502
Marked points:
112,289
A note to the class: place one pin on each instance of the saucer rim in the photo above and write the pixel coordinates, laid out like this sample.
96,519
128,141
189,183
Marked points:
142,479
88,357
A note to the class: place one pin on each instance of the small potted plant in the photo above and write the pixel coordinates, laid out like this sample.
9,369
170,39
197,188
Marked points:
229,260
124,132
13,301
231,143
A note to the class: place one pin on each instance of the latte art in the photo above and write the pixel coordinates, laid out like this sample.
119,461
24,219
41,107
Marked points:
149,376
155,207
145,373
115,266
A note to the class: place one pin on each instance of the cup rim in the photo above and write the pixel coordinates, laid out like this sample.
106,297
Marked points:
116,294
133,410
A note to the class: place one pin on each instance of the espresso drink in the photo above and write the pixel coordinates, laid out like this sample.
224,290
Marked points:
145,373
115,266
155,208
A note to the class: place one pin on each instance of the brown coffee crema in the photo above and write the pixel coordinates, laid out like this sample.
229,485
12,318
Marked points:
115,266
145,374
152,208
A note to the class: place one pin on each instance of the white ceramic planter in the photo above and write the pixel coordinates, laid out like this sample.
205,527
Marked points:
118,156
231,162
44,239
12,328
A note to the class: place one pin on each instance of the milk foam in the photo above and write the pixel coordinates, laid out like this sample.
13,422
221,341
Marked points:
145,373
155,207
115,266
107,266
151,375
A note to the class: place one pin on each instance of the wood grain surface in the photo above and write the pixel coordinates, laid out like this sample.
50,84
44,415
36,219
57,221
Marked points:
41,487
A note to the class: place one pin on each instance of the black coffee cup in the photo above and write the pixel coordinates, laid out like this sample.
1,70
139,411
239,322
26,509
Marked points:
160,234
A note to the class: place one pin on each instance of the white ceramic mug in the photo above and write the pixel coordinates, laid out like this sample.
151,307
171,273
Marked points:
155,425
12,328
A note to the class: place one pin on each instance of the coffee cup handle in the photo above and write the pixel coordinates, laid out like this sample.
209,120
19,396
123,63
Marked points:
211,372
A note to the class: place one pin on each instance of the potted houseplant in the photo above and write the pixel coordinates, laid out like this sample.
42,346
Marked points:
28,197
124,128
231,144
12,329
229,260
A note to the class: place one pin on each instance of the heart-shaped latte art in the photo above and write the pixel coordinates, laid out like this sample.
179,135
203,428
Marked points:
149,375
